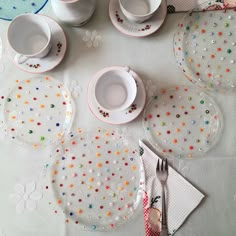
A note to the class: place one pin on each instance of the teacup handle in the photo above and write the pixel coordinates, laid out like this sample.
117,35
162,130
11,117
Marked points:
20,59
127,69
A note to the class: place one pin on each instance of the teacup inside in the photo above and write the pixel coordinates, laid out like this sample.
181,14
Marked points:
29,35
115,90
140,7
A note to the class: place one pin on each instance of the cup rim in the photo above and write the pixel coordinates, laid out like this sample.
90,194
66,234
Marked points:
135,15
99,76
68,1
49,35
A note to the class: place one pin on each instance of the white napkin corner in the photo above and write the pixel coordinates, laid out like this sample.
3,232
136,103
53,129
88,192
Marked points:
182,197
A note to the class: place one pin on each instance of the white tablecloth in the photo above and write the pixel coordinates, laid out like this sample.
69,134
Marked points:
152,58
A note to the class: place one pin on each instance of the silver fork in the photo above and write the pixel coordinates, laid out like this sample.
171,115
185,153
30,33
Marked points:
162,175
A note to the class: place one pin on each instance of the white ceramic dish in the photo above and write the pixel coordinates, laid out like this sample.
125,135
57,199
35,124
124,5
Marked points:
55,56
117,117
74,12
139,11
115,90
35,42
134,29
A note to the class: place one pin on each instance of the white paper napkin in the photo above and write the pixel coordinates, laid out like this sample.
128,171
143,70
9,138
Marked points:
182,197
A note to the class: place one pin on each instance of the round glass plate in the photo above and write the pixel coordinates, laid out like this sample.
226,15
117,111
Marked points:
38,111
205,47
96,180
1,54
9,9
1,48
182,122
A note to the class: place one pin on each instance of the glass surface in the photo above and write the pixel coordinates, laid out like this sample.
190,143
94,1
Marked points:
96,179
205,47
182,122
38,111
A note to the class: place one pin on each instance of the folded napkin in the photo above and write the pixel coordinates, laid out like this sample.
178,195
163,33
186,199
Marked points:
182,197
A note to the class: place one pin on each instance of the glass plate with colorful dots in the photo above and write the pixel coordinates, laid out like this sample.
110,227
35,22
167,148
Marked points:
182,122
38,111
11,8
1,54
95,180
205,47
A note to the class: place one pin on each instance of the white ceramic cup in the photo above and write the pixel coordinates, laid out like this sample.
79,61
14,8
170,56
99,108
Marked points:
139,11
74,12
29,35
115,90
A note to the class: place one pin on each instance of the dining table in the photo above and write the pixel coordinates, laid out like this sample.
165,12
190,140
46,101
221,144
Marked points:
152,58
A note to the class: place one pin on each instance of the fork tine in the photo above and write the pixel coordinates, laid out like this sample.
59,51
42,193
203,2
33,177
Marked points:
166,164
162,165
158,165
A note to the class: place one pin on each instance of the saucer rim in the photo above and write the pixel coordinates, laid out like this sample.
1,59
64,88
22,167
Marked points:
54,65
125,32
110,121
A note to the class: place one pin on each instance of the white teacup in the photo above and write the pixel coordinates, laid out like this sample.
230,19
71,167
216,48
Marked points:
29,35
74,12
115,90
139,11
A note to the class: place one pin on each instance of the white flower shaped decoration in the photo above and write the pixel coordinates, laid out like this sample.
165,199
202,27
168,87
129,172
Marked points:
75,88
92,38
25,197
183,168
151,88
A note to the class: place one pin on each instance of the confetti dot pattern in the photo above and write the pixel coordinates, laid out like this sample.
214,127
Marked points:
204,47
29,116
192,126
97,192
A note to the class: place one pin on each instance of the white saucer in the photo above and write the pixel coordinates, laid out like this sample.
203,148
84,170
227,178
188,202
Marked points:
133,29
117,117
57,53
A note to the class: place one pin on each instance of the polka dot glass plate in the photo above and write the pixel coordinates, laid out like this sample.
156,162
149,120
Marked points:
38,111
182,122
1,48
95,180
205,47
9,9
1,54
